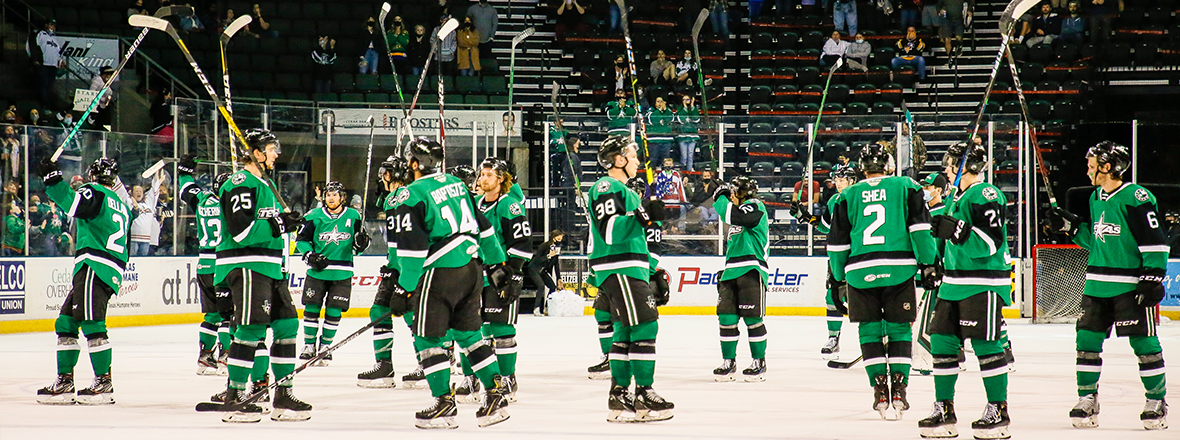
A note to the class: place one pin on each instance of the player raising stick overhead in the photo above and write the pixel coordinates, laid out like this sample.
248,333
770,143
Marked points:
741,290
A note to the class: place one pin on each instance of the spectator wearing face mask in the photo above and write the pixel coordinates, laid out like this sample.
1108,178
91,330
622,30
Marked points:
686,69
373,41
398,39
417,50
468,48
620,114
858,53
324,56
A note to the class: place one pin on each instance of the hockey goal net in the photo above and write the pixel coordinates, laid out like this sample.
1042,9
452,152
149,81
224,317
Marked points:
1059,274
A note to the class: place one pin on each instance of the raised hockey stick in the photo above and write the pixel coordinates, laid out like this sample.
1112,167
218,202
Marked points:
397,80
569,155
696,49
512,60
256,395
1032,132
368,164
442,122
815,132
650,174
228,33
159,165
443,32
106,87
844,365
145,21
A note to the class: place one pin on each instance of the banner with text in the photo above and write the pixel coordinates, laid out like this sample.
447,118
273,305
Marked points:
89,54
425,123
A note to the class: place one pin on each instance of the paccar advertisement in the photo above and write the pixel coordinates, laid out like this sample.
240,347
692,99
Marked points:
791,282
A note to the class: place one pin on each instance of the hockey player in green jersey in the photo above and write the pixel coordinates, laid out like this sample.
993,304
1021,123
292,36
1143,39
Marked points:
442,241
842,177
215,301
250,262
880,238
328,239
393,174
102,231
741,289
1124,280
976,285
622,268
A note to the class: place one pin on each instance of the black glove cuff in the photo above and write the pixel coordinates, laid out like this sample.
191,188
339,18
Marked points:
53,177
1151,278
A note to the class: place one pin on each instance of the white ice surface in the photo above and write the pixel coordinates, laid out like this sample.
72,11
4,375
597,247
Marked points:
156,389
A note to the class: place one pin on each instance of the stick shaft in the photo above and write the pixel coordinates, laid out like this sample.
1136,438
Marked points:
397,80
1004,40
368,164
1032,132
635,93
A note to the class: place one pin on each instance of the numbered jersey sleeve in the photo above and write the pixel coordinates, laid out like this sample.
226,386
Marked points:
517,234
746,215
613,220
1143,221
985,214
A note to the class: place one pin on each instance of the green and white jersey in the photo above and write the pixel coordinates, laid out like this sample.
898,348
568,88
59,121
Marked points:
619,118
687,119
654,235
618,243
659,124
880,233
104,225
250,240
332,236
937,209
749,237
511,224
557,139
981,263
207,208
438,227
390,207
1124,238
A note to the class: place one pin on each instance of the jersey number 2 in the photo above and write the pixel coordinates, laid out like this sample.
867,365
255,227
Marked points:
113,242
878,213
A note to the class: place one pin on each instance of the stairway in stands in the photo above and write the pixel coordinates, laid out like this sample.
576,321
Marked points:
535,69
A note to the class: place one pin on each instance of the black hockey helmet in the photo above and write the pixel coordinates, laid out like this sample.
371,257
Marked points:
428,154
849,174
614,145
104,170
398,170
976,157
875,158
464,173
1117,155
220,180
495,164
638,184
744,188
256,139
334,187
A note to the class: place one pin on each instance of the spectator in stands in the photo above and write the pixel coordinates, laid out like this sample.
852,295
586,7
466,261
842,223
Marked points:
911,152
487,21
569,18
843,161
137,9
446,48
191,22
622,74
686,120
468,38
100,115
1073,26
10,116
210,18
46,55
145,226
686,69
829,190
1102,12
50,222
1045,28
557,135
857,54
719,17
953,16
930,17
909,52
543,266
668,186
372,40
702,196
619,114
398,39
909,12
324,56
14,230
417,50
36,119
568,163
161,114
844,15
834,49
659,130
662,70
809,197
10,154
258,27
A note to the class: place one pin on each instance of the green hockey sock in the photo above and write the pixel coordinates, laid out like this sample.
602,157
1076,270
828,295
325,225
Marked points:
209,326
728,326
311,324
68,349
620,364
900,348
993,367
283,350
835,318
1089,362
945,351
480,356
606,331
433,358
98,345
382,333
872,347
224,336
503,338
1151,365
642,352
242,353
756,332
331,323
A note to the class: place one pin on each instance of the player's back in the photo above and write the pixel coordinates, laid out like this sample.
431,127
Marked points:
875,217
445,207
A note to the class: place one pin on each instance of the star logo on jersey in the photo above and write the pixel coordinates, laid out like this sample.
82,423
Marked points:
734,230
1102,229
990,193
401,196
266,306
334,236
1142,195
514,209
237,179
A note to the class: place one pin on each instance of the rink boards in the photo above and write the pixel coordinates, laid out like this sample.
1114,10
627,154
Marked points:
163,290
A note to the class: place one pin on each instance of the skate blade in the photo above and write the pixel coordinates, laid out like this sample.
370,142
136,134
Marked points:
945,431
320,363
384,382
1000,432
620,416
897,412
414,384
495,417
286,415
830,356
242,417
467,399
1085,422
222,370
643,416
1156,424
923,372
438,423
204,370
723,377
511,397
97,399
754,377
60,399
602,375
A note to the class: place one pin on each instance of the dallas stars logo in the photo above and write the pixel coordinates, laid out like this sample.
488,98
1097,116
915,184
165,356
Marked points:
1102,228
334,236
266,306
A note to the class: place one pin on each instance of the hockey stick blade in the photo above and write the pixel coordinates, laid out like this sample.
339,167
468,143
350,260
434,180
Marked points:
385,8
844,365
159,24
153,169
234,27
528,32
1014,11
447,28
696,27
174,10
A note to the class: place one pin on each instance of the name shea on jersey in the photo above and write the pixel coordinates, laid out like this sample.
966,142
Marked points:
874,195
453,190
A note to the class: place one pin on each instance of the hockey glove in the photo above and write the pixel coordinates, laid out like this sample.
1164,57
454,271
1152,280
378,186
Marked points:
659,287
511,291
49,171
360,242
723,191
187,165
655,209
931,275
285,222
803,216
949,228
498,275
316,260
1150,290
1063,222
401,301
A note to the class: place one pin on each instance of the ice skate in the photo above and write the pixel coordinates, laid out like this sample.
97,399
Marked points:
61,392
307,353
1155,415
1085,413
508,383
726,371
206,363
599,371
994,422
941,423
248,413
380,376
467,390
327,357
262,385
101,392
881,395
440,415
650,407
494,409
756,372
831,350
288,408
415,380
621,405
222,361
897,386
